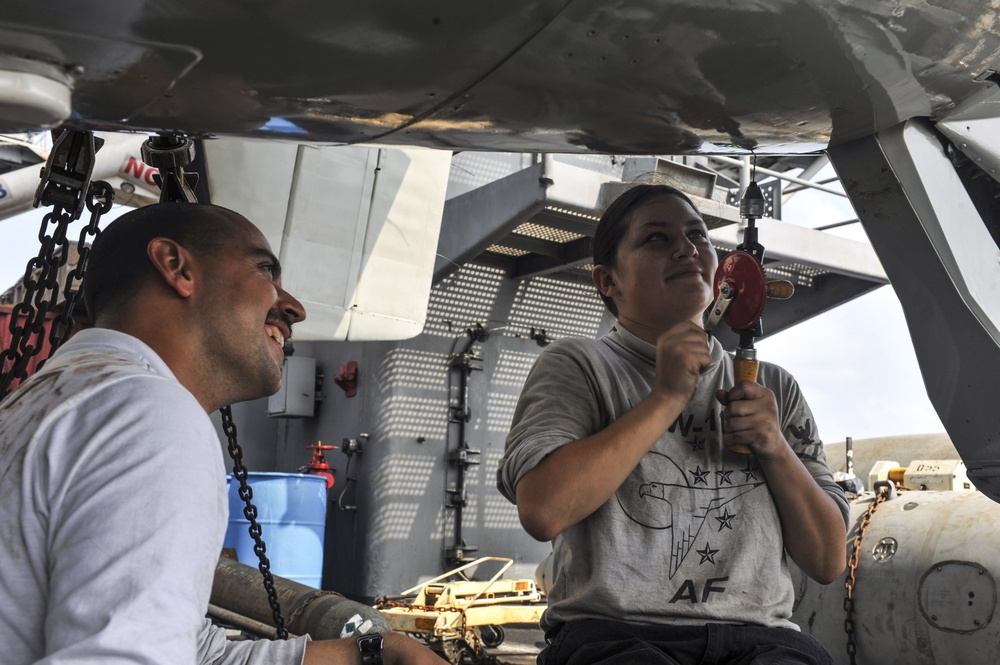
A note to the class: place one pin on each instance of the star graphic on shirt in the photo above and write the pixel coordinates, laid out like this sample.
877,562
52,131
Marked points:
707,554
697,444
677,503
699,476
750,471
724,478
725,521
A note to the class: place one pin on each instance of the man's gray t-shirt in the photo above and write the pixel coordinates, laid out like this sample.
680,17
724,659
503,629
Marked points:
692,535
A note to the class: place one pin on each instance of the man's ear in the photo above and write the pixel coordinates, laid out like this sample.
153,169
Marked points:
173,263
604,280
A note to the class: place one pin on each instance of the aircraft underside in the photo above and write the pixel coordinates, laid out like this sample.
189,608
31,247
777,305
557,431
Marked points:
336,127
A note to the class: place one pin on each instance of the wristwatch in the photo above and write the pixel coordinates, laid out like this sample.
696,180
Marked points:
370,647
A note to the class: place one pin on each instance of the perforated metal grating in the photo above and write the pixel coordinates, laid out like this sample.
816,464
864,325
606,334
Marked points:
501,413
512,368
408,480
498,512
561,307
546,233
607,164
444,523
463,299
572,213
395,520
412,417
475,169
796,273
411,369
507,251
404,475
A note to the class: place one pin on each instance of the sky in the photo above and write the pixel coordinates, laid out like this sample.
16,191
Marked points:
855,363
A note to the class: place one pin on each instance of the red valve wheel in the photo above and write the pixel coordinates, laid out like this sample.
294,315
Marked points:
749,284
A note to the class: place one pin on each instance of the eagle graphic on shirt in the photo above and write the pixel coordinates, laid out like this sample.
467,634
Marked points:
662,495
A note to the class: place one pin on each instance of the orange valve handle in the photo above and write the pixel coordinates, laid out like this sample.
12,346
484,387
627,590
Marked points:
744,369
780,289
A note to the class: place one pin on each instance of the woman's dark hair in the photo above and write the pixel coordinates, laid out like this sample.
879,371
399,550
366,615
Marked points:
614,223
118,262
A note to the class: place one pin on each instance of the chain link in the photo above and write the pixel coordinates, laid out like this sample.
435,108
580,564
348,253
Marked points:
250,512
34,306
41,288
99,202
881,495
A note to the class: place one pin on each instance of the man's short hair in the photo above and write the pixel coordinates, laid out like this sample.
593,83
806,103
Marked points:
118,263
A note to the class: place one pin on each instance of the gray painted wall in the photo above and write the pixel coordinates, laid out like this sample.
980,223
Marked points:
401,530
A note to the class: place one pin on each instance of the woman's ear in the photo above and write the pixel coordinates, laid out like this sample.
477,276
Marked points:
173,263
604,280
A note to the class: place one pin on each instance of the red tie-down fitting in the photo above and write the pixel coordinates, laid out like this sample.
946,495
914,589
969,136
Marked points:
348,378
318,466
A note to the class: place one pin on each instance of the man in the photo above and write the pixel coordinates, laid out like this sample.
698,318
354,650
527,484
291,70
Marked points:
111,473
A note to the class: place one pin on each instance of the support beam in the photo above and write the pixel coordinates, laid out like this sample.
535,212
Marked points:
574,253
473,221
789,243
945,268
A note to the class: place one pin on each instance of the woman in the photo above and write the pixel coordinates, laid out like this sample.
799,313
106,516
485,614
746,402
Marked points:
667,545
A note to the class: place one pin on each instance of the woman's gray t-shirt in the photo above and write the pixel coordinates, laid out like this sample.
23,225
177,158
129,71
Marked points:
693,534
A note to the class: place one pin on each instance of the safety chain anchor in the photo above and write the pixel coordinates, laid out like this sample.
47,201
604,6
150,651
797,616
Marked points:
66,186
883,491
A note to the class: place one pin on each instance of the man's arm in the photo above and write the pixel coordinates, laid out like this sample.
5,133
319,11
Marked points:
812,524
399,649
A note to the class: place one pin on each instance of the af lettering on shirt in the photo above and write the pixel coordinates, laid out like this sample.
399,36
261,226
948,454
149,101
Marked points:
698,498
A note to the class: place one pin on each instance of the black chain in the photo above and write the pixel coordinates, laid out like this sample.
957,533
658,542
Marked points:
65,185
99,202
41,288
250,512
35,305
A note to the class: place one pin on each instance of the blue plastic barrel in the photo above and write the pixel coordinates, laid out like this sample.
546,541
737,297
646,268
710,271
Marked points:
291,511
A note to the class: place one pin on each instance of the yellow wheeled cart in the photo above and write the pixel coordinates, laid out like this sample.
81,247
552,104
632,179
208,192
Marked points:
461,617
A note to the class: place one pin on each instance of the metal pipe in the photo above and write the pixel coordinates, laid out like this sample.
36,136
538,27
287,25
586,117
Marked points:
247,624
808,172
546,177
849,455
744,164
846,222
239,588
775,174
798,188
